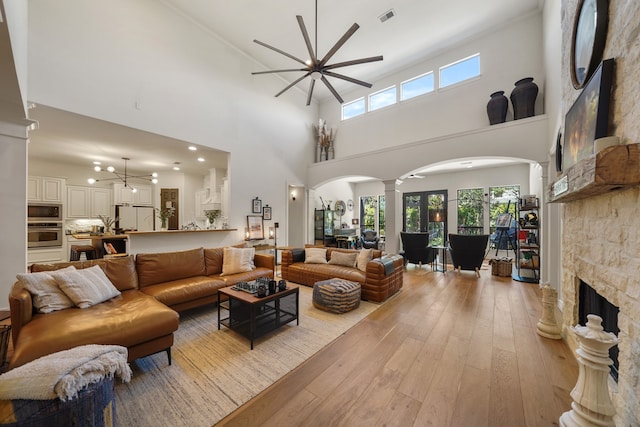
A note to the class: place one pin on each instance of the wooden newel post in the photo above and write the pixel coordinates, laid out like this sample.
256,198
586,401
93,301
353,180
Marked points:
591,404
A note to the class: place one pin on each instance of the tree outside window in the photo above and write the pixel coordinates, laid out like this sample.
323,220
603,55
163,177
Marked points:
470,211
502,199
372,214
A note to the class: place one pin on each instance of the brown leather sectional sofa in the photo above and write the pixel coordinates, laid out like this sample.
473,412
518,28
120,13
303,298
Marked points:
382,278
154,287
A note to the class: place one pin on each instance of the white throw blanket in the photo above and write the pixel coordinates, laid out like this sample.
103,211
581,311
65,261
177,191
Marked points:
65,373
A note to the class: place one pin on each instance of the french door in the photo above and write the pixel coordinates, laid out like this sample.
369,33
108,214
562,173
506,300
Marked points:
426,211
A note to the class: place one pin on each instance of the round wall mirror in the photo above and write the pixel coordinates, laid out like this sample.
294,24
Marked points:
589,37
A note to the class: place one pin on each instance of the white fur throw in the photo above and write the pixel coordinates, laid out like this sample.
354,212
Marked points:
65,373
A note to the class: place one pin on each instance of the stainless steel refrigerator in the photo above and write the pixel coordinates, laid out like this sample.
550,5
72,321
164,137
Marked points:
140,218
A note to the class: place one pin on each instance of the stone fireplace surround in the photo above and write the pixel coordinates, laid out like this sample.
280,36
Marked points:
601,234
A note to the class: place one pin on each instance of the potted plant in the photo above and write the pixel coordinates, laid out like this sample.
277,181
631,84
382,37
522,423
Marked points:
212,215
164,214
108,223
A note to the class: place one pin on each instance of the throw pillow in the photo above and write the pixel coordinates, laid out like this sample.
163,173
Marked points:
364,256
343,258
47,295
315,256
237,260
86,287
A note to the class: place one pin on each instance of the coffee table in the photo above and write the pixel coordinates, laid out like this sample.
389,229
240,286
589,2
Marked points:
253,317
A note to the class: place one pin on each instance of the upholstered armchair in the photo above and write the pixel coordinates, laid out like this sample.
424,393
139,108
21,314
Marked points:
369,239
415,248
468,251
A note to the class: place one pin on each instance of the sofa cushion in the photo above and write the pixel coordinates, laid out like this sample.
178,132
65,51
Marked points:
364,256
121,271
316,272
165,267
47,295
128,320
85,287
213,259
315,256
341,258
183,290
237,260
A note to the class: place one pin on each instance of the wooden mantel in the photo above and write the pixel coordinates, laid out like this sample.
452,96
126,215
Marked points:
611,169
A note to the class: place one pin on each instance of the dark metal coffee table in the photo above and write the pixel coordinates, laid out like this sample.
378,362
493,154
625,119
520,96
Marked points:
253,317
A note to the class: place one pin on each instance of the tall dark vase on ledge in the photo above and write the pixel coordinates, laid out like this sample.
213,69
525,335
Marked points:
523,98
497,108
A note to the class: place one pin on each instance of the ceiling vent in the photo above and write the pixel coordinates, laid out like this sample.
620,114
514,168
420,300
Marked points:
387,15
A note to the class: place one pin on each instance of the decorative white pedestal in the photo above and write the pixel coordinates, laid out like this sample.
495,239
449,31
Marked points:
547,326
592,405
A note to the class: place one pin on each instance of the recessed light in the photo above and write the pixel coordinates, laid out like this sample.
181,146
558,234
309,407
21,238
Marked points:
201,159
192,148
97,163
176,168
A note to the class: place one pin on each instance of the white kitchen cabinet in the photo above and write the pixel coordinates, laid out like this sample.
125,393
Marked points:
88,202
125,195
45,189
56,254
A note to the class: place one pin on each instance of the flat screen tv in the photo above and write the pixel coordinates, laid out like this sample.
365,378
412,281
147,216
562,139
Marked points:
588,117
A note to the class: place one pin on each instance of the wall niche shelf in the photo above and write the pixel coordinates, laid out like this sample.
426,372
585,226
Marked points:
611,169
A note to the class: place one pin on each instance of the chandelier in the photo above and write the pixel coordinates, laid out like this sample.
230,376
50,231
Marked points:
123,176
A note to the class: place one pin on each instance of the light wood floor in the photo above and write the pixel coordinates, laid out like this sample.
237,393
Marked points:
448,350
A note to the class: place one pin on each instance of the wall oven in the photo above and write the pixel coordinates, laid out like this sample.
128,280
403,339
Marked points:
44,234
44,212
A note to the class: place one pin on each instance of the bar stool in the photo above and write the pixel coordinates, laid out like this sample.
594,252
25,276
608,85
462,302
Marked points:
89,251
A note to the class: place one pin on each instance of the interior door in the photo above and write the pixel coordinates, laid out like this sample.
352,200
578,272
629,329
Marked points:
169,198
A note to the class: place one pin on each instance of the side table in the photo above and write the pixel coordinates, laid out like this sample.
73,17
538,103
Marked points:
440,258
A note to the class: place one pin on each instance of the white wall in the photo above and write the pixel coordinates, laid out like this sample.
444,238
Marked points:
507,55
188,84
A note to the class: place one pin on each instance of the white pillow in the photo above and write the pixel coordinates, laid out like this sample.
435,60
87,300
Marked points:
315,256
86,287
364,256
343,258
237,260
47,295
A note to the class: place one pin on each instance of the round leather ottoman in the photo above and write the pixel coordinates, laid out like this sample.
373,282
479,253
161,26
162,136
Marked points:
336,295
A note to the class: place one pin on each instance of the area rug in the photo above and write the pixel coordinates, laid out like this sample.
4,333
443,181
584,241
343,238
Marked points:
213,371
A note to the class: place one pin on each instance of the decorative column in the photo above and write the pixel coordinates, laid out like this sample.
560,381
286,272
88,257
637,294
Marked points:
592,405
547,326
393,220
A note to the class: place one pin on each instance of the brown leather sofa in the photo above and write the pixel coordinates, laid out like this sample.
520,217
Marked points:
382,278
154,287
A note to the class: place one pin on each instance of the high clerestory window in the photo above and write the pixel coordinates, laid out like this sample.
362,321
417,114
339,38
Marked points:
382,98
459,71
416,86
450,74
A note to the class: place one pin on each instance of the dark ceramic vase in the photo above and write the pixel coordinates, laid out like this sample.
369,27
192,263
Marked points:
497,108
523,98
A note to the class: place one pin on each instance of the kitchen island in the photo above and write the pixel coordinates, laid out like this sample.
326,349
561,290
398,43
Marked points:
179,240
106,245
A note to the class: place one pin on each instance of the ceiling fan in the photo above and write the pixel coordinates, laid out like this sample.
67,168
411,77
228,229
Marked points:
318,68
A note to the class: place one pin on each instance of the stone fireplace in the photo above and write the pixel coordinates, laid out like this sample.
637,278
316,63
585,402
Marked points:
601,234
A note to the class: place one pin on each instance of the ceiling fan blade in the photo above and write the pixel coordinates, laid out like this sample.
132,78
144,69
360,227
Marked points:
279,71
311,84
339,43
280,52
291,85
333,91
307,41
353,62
347,78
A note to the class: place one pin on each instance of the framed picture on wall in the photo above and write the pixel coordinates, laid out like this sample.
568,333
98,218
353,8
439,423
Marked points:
256,206
588,117
266,213
255,227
